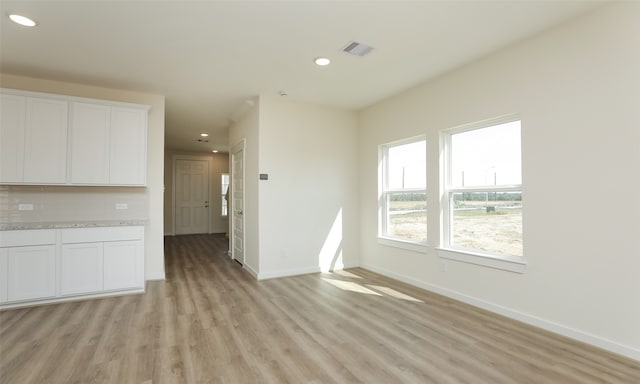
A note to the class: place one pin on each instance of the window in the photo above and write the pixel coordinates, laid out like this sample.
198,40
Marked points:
483,189
403,191
225,187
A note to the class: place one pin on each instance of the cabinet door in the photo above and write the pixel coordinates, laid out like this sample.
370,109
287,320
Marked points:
81,268
31,273
12,112
90,126
123,265
45,157
128,157
3,274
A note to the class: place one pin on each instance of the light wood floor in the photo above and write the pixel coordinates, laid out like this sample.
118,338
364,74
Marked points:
211,322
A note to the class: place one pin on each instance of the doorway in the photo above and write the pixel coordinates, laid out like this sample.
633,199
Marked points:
237,202
191,197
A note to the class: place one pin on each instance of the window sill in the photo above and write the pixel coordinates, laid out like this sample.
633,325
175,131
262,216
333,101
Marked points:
408,245
515,264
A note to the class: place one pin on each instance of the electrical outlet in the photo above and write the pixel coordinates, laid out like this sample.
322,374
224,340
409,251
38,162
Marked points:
25,207
444,266
122,206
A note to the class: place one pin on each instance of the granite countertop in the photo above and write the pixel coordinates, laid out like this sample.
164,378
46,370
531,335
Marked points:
70,224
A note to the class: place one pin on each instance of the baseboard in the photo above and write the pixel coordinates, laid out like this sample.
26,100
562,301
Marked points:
67,299
340,267
560,329
251,271
288,272
300,271
155,276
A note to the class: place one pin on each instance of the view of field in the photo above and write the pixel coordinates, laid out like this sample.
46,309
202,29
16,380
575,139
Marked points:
496,229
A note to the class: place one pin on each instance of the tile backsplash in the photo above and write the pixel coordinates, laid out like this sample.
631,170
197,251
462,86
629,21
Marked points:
71,203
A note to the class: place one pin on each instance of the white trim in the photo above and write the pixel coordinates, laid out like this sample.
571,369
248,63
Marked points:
79,297
447,250
398,243
155,276
301,271
250,270
547,325
383,181
483,124
288,272
506,263
239,146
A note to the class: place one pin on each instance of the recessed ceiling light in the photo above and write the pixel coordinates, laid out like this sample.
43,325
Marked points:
322,61
215,151
204,134
22,20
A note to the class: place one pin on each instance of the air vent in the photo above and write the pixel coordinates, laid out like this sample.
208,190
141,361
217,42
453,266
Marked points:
358,49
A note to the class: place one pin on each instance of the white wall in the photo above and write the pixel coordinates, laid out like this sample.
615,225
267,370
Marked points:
309,206
218,164
154,240
247,129
577,88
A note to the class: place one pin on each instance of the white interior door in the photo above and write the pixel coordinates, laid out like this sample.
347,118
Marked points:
192,197
237,203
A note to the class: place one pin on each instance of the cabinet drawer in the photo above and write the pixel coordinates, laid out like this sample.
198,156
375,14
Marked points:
25,238
90,235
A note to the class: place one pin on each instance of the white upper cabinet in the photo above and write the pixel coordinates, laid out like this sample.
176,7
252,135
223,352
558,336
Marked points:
63,140
45,141
33,140
12,113
90,131
109,144
128,150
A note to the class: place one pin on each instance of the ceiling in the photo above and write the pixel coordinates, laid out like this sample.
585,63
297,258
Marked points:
209,57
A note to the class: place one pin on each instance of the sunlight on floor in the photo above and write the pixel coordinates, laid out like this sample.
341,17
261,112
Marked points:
344,273
371,290
393,293
349,286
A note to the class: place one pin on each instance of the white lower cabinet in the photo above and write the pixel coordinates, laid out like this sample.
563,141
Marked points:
43,266
3,274
123,266
81,268
31,273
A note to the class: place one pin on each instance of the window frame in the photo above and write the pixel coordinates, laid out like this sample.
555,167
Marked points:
224,207
383,191
446,250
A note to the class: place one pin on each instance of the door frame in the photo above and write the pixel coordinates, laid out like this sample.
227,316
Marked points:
174,171
240,146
